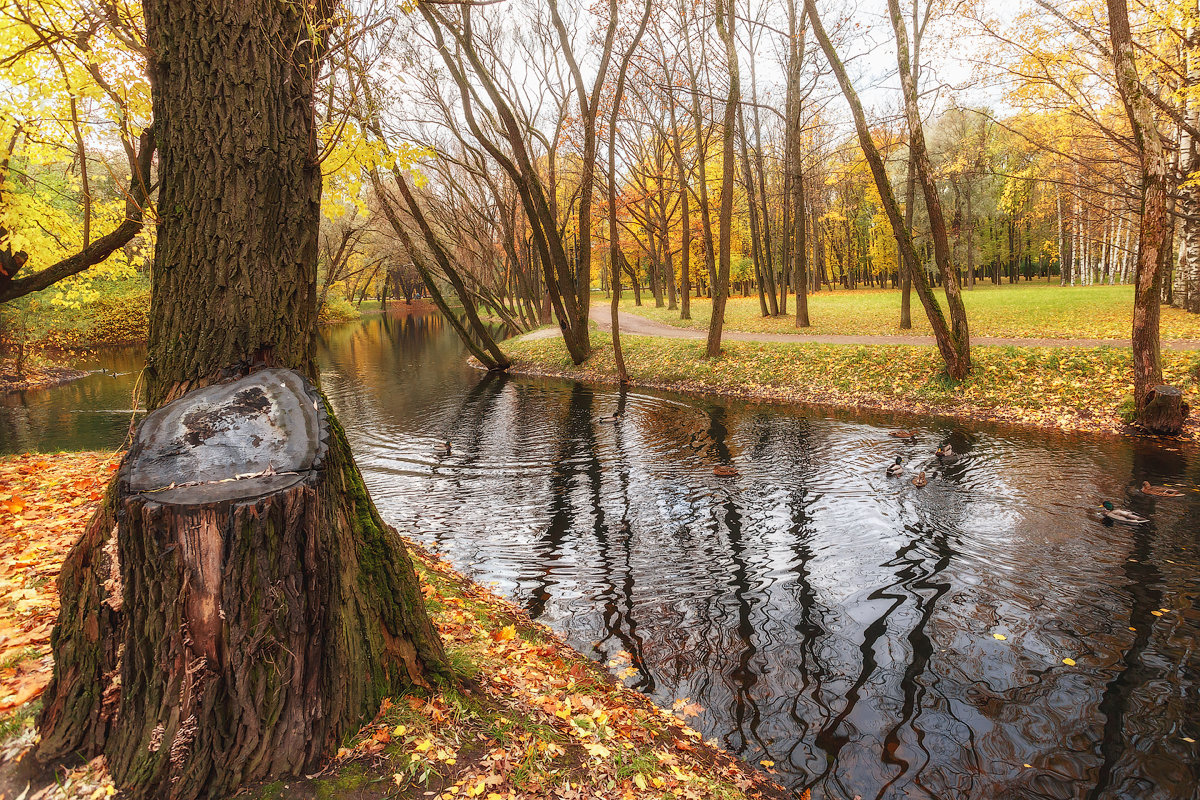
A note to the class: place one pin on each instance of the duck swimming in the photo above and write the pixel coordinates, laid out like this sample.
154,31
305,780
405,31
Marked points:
920,480
895,469
610,419
945,451
903,434
1122,515
442,448
1159,491
725,471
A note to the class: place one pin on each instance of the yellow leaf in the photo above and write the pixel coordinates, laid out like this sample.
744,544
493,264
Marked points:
504,634
1000,636
639,780
1070,662
597,750
767,763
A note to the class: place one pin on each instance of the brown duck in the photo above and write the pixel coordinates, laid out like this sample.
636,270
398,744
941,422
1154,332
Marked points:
1159,491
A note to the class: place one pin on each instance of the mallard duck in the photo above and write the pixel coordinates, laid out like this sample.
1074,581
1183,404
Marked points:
442,448
725,471
920,480
895,469
903,434
945,451
608,420
1122,514
1159,491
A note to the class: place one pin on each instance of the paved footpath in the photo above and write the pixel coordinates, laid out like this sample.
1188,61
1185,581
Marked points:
641,326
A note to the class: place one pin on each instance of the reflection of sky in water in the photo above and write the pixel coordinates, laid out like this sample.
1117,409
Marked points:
828,618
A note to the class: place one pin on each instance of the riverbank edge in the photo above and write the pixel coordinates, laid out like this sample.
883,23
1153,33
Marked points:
1059,420
54,375
581,724
55,369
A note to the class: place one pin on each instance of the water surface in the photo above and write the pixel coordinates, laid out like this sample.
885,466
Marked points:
827,618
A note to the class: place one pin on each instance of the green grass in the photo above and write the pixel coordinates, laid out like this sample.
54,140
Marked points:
1026,310
19,719
1033,384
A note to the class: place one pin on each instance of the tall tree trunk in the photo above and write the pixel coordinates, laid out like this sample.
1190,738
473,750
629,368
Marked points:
710,258
795,162
960,342
910,204
720,291
953,348
1186,284
766,250
685,220
756,244
228,631
1158,411
970,226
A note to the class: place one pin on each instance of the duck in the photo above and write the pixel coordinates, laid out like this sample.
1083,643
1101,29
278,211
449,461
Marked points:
1159,491
442,448
903,434
895,469
1122,515
945,451
608,420
920,480
725,471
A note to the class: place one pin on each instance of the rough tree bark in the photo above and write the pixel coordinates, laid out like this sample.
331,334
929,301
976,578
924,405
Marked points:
954,349
241,623
720,290
1154,237
960,363
614,239
795,161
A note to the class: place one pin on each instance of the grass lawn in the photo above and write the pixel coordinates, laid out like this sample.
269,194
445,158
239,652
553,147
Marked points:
1069,388
1026,310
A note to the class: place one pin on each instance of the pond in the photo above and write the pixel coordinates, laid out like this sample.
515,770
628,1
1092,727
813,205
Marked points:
839,623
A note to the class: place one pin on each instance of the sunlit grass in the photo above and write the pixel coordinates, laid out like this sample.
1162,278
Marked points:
1037,384
1027,310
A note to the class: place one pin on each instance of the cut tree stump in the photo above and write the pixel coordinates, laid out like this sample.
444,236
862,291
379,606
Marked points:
1165,410
253,611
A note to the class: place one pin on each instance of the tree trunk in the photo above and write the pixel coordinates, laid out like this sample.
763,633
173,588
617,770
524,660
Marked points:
720,290
952,345
795,162
959,343
685,220
1154,238
239,625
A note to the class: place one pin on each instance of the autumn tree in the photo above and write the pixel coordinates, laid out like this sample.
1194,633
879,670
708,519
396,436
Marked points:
1159,408
725,16
59,61
952,340
217,627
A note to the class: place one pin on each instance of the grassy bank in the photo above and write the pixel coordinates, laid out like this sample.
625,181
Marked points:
1034,311
120,315
531,718
1066,388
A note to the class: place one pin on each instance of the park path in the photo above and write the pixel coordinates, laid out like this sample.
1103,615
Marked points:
641,326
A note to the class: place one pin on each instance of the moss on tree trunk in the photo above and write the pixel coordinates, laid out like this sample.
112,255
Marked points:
233,628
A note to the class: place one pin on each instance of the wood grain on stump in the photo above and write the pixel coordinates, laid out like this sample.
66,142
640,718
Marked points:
253,610
1165,410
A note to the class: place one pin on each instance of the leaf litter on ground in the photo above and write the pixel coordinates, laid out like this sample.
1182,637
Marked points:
529,718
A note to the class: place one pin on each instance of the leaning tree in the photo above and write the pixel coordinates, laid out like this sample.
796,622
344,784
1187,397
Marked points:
237,606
